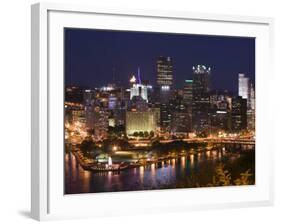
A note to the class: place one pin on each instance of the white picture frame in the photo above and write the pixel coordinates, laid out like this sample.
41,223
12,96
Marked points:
48,201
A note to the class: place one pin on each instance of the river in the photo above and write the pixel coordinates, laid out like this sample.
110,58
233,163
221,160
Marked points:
182,172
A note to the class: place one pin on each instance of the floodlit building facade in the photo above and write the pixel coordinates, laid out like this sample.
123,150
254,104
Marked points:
137,122
243,86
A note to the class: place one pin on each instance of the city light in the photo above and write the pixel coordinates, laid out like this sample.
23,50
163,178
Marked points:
114,148
153,131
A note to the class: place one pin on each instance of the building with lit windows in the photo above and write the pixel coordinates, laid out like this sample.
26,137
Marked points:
201,98
100,122
187,100
164,79
187,92
137,88
140,122
220,107
164,72
243,86
238,114
246,91
251,109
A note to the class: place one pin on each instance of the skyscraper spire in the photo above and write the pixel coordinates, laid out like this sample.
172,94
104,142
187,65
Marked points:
139,78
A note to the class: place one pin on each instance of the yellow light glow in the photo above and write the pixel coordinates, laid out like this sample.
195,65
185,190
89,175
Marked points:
133,79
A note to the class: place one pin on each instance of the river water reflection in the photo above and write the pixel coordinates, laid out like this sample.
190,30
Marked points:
174,173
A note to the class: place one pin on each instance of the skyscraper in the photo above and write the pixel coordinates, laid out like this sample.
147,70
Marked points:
200,98
137,88
251,108
164,72
187,92
163,90
180,119
246,91
238,114
243,86
187,100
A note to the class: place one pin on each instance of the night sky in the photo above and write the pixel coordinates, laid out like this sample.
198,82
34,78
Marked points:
92,56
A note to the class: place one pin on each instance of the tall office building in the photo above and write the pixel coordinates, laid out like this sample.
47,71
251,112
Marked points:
238,114
243,86
187,92
201,98
163,90
220,104
180,118
164,72
137,88
251,111
166,116
73,94
100,121
246,91
187,100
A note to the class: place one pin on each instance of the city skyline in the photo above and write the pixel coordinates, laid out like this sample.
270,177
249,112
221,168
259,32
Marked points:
116,55
147,111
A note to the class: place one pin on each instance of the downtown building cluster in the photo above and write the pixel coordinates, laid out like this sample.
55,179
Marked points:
143,110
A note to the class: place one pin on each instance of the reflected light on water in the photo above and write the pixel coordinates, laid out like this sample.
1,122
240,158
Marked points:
153,169
109,176
173,162
74,169
177,170
86,180
208,154
199,156
214,153
183,163
219,155
66,158
191,160
142,170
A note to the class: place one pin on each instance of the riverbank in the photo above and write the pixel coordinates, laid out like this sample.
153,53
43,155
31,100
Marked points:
145,160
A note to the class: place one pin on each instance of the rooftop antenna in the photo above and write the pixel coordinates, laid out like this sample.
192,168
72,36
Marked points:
139,79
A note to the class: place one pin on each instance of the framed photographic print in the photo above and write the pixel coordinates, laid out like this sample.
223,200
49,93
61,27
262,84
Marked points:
165,111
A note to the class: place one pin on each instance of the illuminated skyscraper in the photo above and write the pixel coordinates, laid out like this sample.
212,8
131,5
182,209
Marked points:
251,111
100,122
239,114
164,72
246,91
187,92
220,106
137,88
180,118
201,98
163,90
243,86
